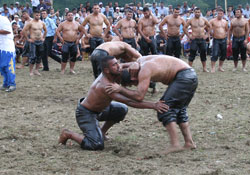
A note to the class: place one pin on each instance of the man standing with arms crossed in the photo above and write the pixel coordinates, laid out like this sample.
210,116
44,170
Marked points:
173,34
127,27
198,38
70,38
146,28
219,29
95,21
48,43
35,29
240,30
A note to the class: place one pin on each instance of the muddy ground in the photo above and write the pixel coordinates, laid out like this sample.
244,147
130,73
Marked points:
32,117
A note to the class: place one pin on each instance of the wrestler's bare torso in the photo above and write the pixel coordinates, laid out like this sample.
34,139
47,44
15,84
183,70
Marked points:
173,25
35,29
127,28
69,30
219,28
120,49
97,99
198,26
161,68
239,27
147,26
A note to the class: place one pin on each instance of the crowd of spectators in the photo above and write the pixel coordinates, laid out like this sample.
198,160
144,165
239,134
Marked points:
114,13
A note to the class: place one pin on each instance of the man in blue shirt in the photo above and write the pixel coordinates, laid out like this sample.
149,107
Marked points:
51,30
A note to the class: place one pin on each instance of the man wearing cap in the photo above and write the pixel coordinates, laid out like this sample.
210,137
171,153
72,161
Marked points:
101,7
96,21
127,27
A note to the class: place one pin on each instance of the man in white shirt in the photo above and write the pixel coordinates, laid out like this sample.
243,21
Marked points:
162,10
246,12
7,55
34,4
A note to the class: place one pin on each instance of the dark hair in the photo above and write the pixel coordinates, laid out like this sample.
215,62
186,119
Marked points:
145,9
69,12
197,8
128,10
24,11
176,8
95,4
104,62
36,11
14,23
239,10
125,77
220,10
44,10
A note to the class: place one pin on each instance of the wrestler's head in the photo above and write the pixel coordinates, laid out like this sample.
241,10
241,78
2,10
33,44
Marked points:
96,9
69,16
176,12
238,13
36,15
146,12
129,14
127,79
197,12
220,13
109,65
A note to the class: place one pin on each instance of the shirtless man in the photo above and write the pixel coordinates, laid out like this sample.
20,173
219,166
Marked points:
182,82
118,49
26,51
240,30
35,28
219,28
95,21
173,33
198,25
146,28
127,27
70,38
98,106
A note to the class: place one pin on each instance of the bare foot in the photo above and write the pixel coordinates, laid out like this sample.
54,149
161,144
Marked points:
234,69
212,70
173,149
72,72
221,69
31,74
106,138
20,67
62,72
65,135
37,73
244,70
189,146
205,70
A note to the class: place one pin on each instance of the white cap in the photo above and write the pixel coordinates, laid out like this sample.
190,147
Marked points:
100,3
16,16
17,3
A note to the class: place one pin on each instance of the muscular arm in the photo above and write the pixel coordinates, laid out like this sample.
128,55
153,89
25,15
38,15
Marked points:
4,32
246,30
139,94
107,24
118,26
164,21
140,25
25,29
208,27
84,23
134,54
185,28
58,31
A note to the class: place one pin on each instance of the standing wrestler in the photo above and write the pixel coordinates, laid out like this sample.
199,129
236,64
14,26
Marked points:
70,38
118,49
198,38
219,28
182,82
38,32
173,21
98,106
95,21
26,51
146,28
127,27
240,30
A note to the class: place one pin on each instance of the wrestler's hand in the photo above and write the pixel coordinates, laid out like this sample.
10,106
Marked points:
77,41
89,36
31,40
245,42
112,88
161,107
229,41
148,40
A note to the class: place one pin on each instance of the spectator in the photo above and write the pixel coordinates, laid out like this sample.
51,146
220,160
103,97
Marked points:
48,4
184,8
12,10
28,9
153,8
101,7
247,11
107,12
41,5
5,13
34,4
117,15
162,10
